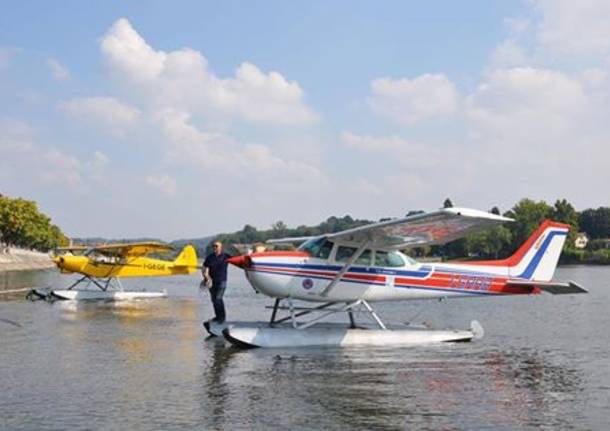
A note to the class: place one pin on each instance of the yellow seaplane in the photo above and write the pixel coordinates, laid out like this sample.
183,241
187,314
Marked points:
102,266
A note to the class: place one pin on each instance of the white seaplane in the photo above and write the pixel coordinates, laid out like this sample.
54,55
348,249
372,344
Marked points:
348,271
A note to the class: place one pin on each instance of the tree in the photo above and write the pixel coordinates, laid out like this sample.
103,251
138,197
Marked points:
495,210
447,203
279,226
564,212
279,229
489,243
528,215
595,222
22,225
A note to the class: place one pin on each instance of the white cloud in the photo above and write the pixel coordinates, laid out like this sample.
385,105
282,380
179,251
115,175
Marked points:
517,25
574,27
61,168
185,143
409,101
164,183
60,72
181,80
372,143
509,53
527,104
394,150
24,151
108,112
96,167
15,136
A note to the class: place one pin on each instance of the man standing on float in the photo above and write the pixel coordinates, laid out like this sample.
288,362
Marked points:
215,268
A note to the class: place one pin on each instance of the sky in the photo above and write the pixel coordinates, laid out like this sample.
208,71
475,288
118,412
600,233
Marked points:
183,119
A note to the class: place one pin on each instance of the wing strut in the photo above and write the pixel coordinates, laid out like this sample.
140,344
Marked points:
345,268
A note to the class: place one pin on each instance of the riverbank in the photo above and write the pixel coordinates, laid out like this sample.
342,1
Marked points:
16,259
585,257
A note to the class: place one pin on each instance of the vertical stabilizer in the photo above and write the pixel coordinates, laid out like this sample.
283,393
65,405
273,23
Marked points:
187,258
537,258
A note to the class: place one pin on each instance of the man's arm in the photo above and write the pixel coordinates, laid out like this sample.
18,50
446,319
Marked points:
205,270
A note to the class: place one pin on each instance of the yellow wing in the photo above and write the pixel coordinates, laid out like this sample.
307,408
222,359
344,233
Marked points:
135,249
75,249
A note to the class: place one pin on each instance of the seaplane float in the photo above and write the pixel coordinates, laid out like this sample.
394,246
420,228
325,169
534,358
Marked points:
349,271
101,268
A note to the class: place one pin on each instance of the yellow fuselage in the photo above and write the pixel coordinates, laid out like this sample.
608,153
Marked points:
121,267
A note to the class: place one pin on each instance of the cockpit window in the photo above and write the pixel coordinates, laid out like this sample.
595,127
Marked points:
344,253
317,247
389,259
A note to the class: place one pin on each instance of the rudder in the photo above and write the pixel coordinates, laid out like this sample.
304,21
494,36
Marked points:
187,258
537,258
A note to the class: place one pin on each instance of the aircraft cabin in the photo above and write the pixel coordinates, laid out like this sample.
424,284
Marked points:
323,248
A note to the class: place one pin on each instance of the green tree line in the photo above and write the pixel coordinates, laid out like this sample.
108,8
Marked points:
495,243
23,225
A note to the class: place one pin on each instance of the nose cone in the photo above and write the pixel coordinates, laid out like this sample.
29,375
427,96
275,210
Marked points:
70,263
240,261
60,261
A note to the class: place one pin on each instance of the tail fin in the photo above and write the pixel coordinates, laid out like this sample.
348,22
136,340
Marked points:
187,258
537,258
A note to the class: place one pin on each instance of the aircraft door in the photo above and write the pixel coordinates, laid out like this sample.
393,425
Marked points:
318,263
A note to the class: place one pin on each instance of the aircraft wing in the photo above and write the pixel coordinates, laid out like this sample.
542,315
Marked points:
72,249
437,227
289,240
132,249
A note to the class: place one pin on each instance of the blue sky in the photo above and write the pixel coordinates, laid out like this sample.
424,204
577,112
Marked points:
186,118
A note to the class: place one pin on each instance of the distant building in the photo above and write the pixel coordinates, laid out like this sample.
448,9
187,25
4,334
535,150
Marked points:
581,240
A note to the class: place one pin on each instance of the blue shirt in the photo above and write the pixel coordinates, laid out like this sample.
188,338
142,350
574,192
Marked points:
217,264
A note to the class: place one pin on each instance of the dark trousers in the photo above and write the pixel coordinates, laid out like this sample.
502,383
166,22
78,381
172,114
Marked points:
216,293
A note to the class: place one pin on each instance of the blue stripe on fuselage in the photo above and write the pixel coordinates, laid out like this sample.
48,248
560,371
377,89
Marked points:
423,272
372,283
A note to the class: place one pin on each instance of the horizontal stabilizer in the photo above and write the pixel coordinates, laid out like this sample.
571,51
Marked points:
555,288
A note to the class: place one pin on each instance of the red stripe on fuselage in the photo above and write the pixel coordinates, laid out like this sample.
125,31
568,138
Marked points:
280,254
459,282
329,274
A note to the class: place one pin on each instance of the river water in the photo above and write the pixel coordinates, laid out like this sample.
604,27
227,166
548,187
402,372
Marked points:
543,363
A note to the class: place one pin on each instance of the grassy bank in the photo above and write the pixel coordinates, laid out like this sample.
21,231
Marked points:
586,257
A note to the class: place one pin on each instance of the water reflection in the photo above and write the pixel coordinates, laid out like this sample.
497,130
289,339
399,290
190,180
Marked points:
393,388
526,383
217,384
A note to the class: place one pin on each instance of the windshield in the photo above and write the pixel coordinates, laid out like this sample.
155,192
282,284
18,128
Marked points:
344,253
389,259
317,247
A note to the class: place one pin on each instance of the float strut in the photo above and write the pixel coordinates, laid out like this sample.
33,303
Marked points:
274,312
372,312
352,322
